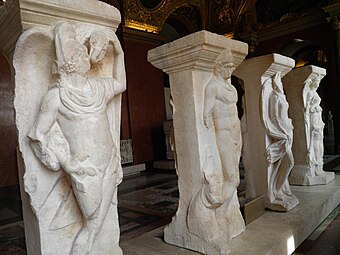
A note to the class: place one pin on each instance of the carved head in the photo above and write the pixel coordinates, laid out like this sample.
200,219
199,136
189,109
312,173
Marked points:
72,56
98,46
316,82
224,64
277,83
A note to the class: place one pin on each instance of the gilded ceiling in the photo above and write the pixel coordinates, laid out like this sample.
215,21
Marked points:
219,16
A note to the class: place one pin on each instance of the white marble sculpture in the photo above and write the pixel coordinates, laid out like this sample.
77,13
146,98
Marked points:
216,203
208,139
305,110
279,139
73,130
267,131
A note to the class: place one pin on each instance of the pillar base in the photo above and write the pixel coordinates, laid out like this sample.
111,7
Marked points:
301,175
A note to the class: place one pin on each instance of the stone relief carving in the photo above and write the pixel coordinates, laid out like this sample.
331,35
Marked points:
76,134
279,154
126,151
216,203
314,127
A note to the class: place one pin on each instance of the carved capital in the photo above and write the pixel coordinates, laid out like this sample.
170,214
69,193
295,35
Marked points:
197,51
264,67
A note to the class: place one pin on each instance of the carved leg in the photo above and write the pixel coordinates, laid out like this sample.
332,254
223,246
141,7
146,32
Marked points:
230,151
84,241
284,169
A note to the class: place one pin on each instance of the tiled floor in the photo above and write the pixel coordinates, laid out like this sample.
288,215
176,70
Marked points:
147,202
146,209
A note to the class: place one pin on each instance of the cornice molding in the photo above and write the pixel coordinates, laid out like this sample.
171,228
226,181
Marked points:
197,51
133,34
17,16
49,12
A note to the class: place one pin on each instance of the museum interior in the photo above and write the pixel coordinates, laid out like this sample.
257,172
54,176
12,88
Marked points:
307,31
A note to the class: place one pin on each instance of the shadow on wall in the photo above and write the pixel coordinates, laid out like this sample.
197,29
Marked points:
8,161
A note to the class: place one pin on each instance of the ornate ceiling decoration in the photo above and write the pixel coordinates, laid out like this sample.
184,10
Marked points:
150,4
139,16
280,10
186,20
229,15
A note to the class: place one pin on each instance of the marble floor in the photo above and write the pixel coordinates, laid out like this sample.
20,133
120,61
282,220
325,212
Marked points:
146,203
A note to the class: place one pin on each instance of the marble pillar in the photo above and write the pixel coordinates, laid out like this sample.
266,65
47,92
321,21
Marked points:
267,130
207,137
69,76
306,113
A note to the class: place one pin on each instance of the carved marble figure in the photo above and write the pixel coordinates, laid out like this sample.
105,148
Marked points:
280,158
207,139
74,131
314,127
216,203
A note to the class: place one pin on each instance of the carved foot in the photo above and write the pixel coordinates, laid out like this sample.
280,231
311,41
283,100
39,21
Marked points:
281,202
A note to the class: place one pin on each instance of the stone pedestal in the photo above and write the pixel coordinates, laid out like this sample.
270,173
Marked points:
305,111
66,211
189,62
266,168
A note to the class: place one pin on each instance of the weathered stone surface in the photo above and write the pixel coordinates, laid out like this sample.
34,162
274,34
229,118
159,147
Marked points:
69,77
267,131
207,138
306,113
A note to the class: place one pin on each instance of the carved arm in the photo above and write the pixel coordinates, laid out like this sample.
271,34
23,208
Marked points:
46,118
118,67
210,94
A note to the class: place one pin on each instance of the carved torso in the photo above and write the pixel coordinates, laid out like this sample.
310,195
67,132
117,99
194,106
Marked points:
88,108
225,109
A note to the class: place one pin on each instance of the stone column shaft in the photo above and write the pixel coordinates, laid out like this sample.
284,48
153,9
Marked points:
189,62
253,73
297,87
42,191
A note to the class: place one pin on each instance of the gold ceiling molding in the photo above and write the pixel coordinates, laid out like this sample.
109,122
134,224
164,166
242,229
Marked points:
152,20
138,35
